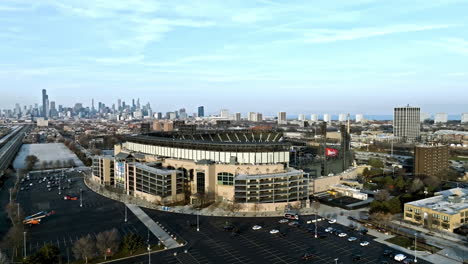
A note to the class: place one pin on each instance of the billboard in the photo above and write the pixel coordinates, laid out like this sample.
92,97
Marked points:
331,152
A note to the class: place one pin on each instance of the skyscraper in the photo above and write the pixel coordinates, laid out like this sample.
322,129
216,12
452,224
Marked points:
301,117
406,122
45,104
326,118
201,111
342,117
359,118
119,105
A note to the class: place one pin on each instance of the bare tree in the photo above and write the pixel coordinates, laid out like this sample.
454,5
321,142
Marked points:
108,242
58,164
3,258
44,164
382,195
235,207
85,248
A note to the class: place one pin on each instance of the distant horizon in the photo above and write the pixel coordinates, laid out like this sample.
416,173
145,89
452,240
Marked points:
262,55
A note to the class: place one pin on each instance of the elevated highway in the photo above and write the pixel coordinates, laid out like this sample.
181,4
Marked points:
10,145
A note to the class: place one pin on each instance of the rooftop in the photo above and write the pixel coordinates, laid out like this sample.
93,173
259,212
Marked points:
154,170
448,202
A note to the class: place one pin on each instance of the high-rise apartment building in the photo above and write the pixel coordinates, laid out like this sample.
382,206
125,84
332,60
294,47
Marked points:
301,117
441,118
314,118
464,118
342,117
201,111
431,160
281,117
326,118
359,118
237,117
407,123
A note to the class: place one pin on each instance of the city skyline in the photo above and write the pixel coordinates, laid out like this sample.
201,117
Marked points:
261,52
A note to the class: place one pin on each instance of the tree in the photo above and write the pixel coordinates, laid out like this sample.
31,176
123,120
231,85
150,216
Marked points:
366,174
416,185
85,248
394,205
30,161
4,258
71,163
48,254
108,242
400,183
132,243
376,163
58,164
382,195
44,164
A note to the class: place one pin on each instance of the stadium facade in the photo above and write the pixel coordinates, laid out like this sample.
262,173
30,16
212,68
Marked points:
242,167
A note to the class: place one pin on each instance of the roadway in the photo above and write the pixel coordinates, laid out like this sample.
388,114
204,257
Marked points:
10,147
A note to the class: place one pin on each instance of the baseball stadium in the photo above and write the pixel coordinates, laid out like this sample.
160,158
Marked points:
245,167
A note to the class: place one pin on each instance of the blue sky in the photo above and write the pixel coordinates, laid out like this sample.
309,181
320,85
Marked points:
267,55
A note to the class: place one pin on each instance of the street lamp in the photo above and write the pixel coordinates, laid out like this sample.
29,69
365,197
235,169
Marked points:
24,238
125,213
149,254
336,261
81,197
415,243
198,220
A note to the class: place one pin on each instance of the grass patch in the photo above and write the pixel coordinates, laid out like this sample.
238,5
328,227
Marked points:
409,244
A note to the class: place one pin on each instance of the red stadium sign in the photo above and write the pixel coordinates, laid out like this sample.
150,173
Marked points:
331,152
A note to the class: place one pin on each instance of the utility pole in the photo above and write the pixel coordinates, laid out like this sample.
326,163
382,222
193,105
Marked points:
10,195
81,197
125,213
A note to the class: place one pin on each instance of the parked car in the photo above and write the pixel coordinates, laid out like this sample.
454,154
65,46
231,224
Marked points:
257,227
274,231
356,257
352,239
387,253
332,221
364,243
294,223
283,221
342,234
307,256
399,257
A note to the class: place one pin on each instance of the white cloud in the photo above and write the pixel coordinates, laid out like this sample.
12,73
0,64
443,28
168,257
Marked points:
455,45
119,60
332,35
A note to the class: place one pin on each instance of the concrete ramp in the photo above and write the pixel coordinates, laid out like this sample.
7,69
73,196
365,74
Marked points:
162,235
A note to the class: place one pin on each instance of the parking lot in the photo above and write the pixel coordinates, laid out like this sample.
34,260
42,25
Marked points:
70,221
212,244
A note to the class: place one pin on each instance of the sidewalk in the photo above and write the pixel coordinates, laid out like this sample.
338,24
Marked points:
162,235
